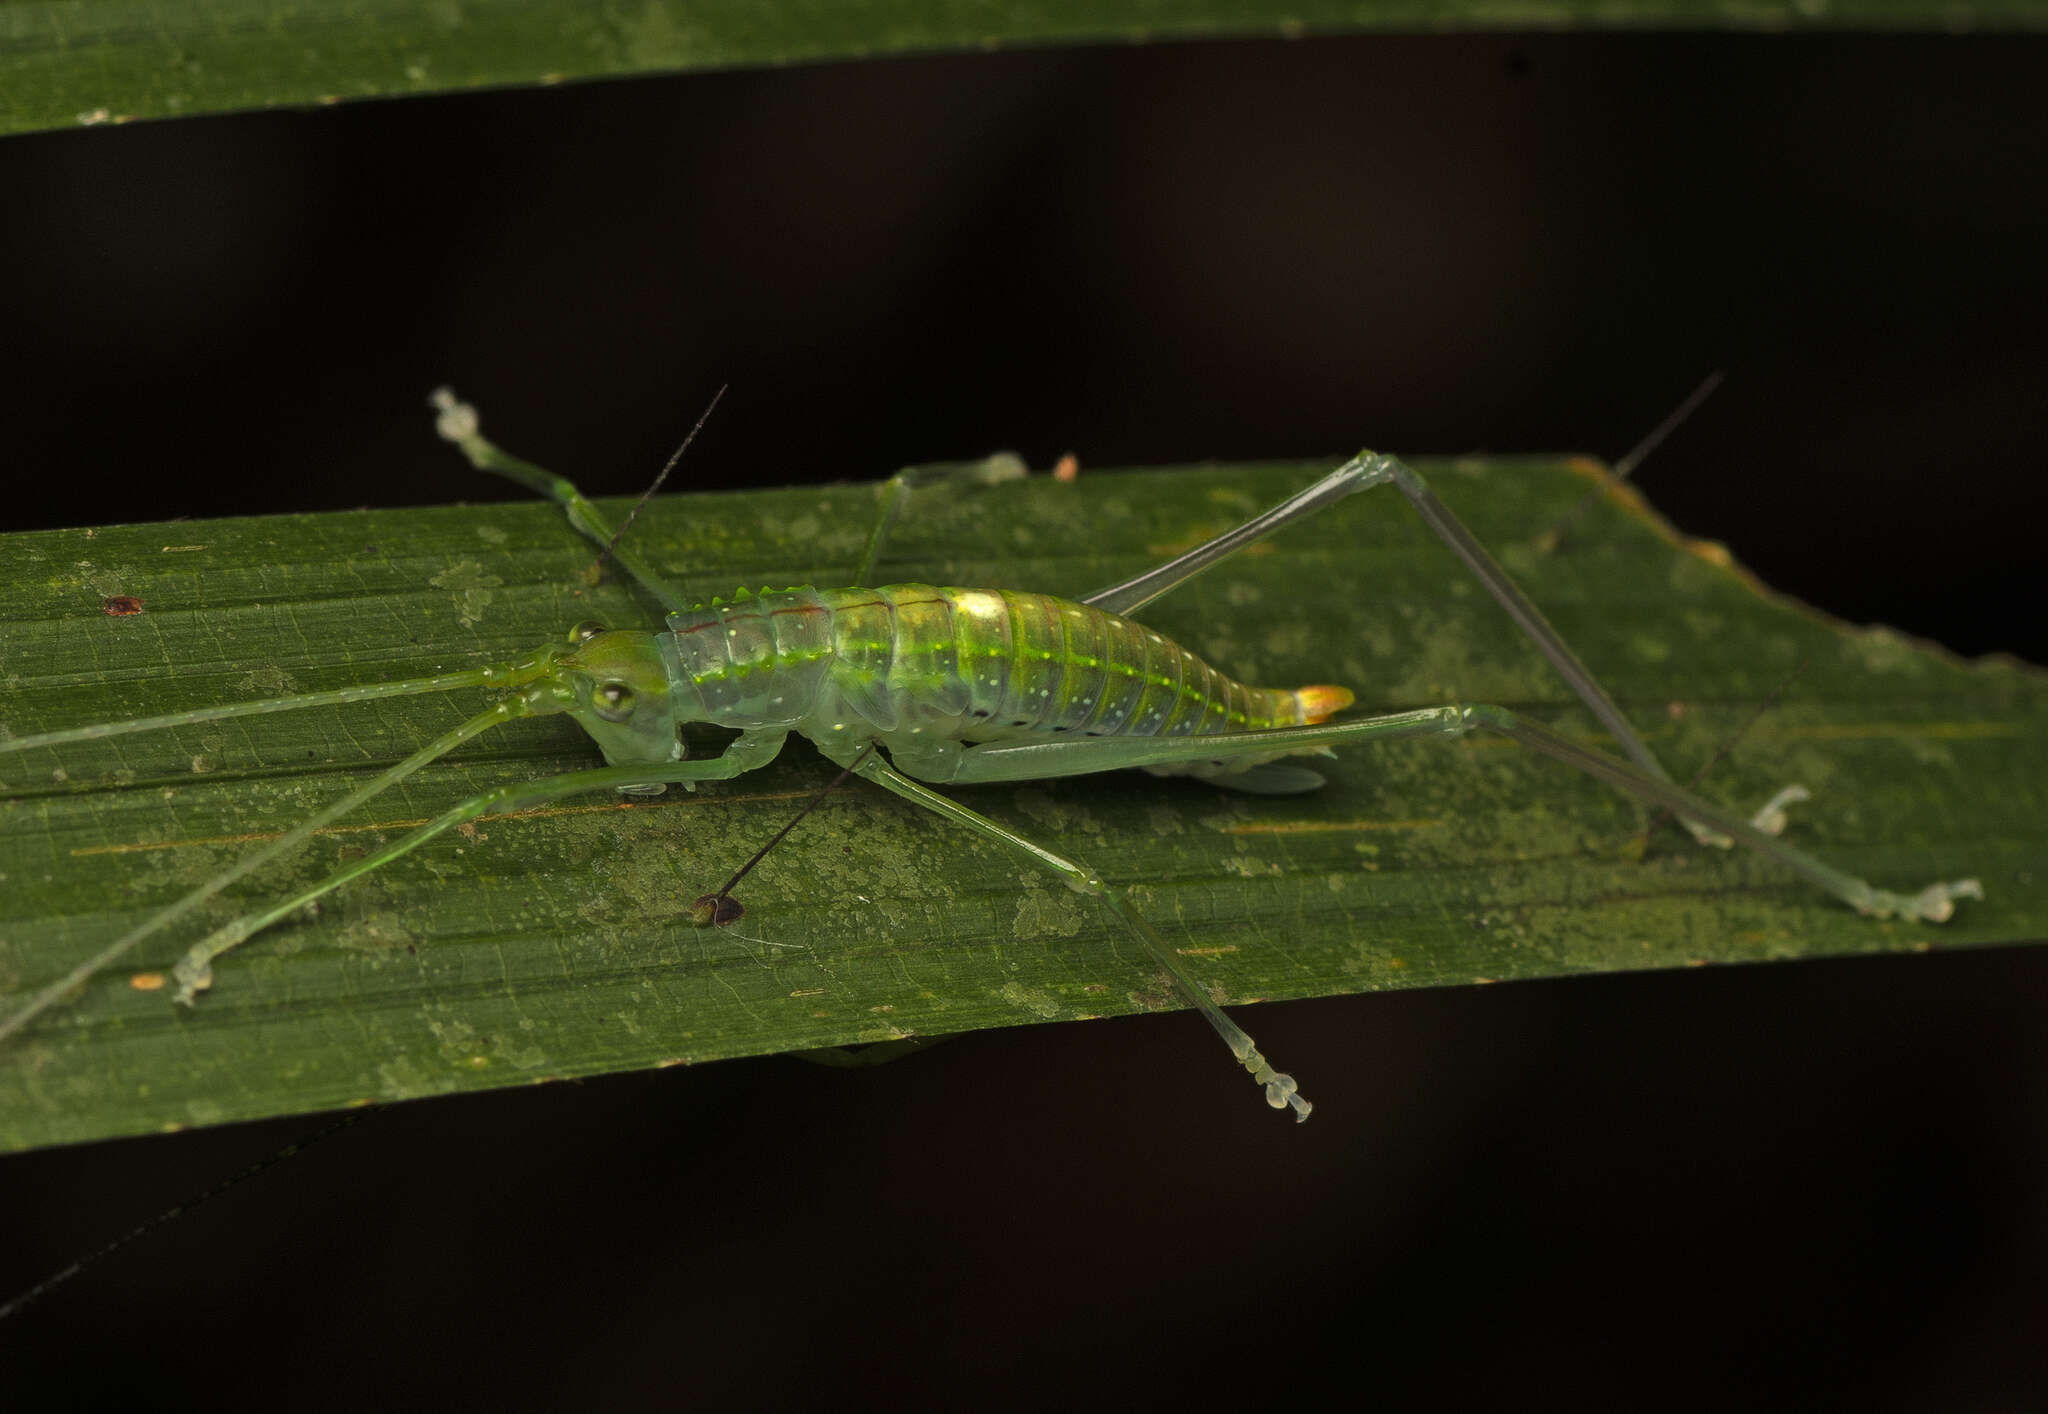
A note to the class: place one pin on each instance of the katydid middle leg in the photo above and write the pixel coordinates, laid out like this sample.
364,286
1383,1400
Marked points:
894,494
1362,473
1281,1091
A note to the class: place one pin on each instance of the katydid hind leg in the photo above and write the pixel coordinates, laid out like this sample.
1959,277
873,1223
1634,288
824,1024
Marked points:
997,761
1280,1088
1130,595
1371,469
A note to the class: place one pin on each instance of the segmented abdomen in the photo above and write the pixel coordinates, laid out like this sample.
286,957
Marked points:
984,664
968,664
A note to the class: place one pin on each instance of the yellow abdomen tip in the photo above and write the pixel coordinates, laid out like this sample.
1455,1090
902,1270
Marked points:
1317,703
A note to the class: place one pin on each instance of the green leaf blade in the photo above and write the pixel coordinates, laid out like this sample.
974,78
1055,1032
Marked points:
553,943
71,62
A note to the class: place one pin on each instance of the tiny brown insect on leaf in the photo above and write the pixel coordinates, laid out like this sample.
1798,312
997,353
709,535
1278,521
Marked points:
120,606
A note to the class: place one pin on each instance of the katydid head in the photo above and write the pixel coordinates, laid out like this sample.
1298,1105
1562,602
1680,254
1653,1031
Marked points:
615,683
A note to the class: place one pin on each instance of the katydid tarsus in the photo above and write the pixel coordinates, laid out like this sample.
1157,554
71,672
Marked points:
913,687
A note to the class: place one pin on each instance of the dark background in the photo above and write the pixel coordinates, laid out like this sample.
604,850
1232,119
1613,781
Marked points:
1811,1184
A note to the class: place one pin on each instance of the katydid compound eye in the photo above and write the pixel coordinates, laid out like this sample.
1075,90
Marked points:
585,631
613,702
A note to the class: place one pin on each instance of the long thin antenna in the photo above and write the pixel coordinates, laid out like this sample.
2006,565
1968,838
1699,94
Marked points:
597,567
1549,541
506,711
298,1146
722,908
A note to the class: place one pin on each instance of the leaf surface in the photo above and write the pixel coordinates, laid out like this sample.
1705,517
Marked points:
554,943
70,62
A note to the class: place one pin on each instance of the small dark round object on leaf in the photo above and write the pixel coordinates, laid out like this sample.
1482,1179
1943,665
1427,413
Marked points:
716,910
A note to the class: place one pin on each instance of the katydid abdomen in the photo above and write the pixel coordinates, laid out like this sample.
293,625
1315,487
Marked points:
918,661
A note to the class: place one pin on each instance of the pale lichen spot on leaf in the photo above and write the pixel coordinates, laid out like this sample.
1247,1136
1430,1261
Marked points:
462,1045
1042,913
1233,811
1164,820
377,934
458,1041
1059,816
885,869
1032,999
108,583
403,1078
472,588
268,681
